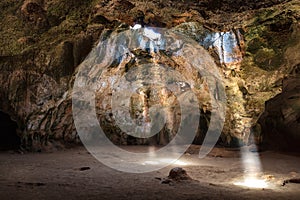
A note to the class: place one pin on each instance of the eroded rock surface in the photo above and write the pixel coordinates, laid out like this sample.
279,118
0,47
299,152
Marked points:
281,120
255,44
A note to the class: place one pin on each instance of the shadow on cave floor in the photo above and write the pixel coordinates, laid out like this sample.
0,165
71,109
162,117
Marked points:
9,140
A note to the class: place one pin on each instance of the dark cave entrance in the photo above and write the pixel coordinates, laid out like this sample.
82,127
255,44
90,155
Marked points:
9,139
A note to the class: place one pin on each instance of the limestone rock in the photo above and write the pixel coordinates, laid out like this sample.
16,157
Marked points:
40,53
281,120
33,12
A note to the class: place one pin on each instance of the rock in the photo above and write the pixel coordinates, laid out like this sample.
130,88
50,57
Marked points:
26,40
292,180
100,19
281,120
94,30
115,10
38,64
84,168
123,5
33,12
178,174
63,60
134,67
166,181
69,54
139,18
154,20
239,5
82,46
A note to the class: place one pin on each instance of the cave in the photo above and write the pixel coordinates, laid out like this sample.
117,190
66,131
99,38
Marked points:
154,99
9,138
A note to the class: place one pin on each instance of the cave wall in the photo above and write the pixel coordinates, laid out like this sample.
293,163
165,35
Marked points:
280,122
44,41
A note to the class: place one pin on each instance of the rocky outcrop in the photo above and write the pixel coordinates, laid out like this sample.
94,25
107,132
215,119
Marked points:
34,14
255,45
280,123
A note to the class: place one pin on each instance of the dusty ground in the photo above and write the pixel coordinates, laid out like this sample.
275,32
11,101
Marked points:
59,175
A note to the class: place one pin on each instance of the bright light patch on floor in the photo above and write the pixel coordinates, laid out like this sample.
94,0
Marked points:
148,162
177,162
252,169
252,183
164,161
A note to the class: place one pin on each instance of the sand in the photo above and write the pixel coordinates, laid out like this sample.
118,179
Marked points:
76,174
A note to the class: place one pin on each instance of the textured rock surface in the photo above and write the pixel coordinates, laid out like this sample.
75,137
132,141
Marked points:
281,120
178,174
43,42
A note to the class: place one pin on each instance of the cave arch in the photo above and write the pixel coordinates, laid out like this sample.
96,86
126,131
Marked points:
9,139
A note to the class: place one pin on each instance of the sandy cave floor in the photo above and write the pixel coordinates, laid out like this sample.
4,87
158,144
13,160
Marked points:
60,175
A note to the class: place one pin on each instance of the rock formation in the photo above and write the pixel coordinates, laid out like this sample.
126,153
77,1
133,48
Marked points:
255,44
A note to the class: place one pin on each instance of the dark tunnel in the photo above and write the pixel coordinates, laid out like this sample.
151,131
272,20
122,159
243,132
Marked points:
9,140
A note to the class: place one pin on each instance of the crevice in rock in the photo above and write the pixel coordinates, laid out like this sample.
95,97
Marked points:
9,139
